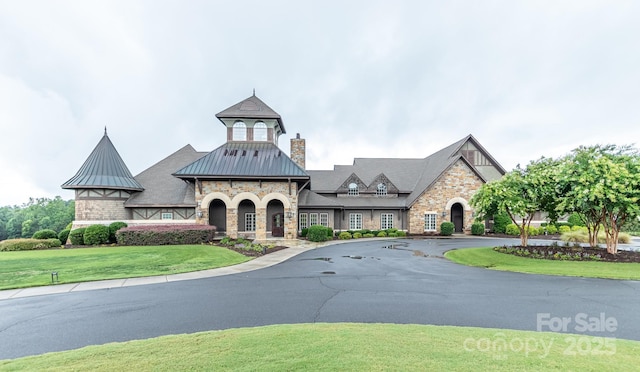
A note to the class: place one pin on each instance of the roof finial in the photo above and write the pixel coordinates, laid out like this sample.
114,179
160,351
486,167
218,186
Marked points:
105,130
254,92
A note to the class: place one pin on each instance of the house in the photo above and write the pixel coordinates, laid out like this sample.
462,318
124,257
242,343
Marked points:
249,188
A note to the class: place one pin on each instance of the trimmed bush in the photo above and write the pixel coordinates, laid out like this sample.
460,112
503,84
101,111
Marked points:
575,220
166,234
28,244
317,233
77,236
382,234
96,234
329,233
552,229
64,235
563,229
500,222
369,235
304,232
113,229
401,233
45,234
512,229
447,228
477,228
345,235
357,235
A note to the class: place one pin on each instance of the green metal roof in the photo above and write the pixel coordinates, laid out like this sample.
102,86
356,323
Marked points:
104,168
244,160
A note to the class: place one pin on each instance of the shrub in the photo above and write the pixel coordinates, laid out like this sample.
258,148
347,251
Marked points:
28,244
552,229
392,230
166,234
77,236
575,220
512,229
317,233
345,235
113,229
96,234
382,234
329,233
500,222
576,236
45,234
477,228
369,235
401,233
563,229
446,228
64,235
304,232
357,235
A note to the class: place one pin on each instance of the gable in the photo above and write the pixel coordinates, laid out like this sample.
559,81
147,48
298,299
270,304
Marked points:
353,178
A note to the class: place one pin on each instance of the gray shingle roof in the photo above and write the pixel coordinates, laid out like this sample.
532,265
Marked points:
244,160
104,168
161,188
252,107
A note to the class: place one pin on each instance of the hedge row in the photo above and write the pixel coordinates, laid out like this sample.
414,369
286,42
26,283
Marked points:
92,235
28,244
166,234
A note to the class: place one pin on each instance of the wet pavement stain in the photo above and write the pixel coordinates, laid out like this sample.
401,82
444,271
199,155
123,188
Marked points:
354,257
328,272
327,259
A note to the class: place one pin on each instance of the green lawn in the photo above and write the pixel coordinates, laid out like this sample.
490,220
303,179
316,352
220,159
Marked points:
348,347
490,259
33,268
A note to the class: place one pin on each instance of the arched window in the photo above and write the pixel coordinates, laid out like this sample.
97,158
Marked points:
382,189
260,131
239,131
353,189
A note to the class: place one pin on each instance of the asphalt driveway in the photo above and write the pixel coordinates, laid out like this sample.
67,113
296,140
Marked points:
391,281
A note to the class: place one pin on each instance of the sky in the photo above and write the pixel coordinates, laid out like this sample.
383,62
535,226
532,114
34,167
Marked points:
356,79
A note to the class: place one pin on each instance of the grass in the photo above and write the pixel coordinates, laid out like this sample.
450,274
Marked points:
490,259
33,268
348,347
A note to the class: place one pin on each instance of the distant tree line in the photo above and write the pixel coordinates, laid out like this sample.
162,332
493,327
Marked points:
37,214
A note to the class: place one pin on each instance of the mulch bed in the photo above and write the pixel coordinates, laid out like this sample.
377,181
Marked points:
571,253
252,253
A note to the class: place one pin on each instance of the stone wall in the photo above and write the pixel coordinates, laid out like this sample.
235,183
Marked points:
298,151
457,184
260,193
101,209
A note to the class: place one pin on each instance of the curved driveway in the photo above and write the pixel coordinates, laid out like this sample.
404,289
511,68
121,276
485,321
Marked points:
390,281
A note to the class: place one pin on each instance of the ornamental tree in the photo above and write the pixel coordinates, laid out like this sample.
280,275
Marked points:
520,193
602,185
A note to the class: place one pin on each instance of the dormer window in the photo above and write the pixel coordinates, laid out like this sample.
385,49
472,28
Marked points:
381,190
260,131
239,131
353,189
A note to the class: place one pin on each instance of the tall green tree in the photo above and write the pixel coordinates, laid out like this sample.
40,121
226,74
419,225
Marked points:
602,184
520,193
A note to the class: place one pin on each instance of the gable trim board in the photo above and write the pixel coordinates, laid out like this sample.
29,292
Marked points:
252,186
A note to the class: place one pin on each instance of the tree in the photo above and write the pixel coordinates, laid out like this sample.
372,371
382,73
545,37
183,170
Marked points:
40,213
602,184
520,193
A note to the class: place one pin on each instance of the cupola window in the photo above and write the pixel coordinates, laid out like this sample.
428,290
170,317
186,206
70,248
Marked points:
260,131
239,131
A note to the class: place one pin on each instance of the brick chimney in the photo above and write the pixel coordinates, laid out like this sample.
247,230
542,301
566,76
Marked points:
298,150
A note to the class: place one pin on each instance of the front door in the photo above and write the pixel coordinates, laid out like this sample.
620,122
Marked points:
457,217
277,225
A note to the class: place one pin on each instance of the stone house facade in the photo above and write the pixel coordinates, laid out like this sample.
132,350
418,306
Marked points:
249,188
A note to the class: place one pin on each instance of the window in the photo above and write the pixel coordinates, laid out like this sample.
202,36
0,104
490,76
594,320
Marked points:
430,222
304,223
260,131
313,219
324,219
355,221
239,131
386,221
353,189
381,190
249,222
167,216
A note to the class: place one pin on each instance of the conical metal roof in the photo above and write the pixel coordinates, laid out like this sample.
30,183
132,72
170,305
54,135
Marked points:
104,168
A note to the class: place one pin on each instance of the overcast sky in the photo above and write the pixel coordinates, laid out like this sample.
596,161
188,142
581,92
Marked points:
354,78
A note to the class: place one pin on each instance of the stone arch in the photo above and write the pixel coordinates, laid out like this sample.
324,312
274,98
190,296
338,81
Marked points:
276,196
460,200
235,202
215,195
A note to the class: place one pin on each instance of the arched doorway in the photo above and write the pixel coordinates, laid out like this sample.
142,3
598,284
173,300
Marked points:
218,215
457,217
247,217
275,218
